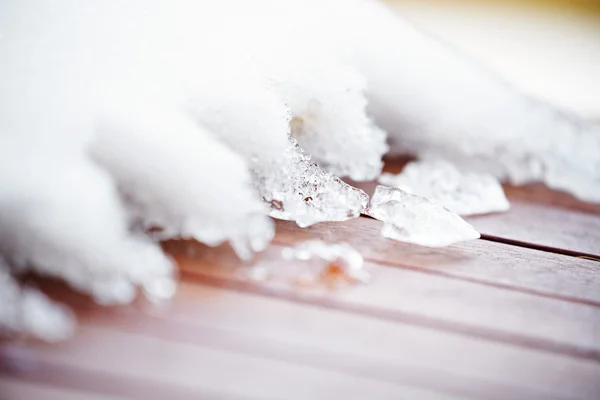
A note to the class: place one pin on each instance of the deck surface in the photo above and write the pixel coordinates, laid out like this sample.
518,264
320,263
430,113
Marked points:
514,315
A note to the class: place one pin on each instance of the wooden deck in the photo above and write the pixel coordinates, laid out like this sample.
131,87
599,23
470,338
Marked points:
514,315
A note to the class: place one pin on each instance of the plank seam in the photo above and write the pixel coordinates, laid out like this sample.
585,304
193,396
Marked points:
540,247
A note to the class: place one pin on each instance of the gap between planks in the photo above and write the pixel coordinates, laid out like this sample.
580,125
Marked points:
549,249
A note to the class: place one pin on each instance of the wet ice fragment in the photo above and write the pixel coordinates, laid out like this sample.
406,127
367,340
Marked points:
297,189
330,262
415,219
465,193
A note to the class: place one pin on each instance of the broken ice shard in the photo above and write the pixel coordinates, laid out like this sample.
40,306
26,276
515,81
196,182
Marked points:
415,219
335,261
297,189
465,193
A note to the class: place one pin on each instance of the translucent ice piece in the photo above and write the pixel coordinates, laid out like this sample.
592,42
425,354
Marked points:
29,312
337,260
465,193
415,219
298,190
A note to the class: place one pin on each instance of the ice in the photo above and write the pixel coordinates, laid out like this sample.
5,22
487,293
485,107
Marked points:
331,260
312,264
464,193
414,219
297,189
26,311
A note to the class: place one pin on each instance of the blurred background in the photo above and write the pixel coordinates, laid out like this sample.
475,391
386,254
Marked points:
547,48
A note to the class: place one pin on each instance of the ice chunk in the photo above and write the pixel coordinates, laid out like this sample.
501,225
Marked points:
335,260
465,193
29,312
415,219
298,190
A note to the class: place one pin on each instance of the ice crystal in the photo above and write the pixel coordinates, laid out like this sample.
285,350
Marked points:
464,193
297,189
415,219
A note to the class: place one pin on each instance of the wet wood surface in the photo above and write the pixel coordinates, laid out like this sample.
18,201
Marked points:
513,315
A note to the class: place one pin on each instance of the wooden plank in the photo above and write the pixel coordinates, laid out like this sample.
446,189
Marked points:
86,378
366,346
465,307
200,371
306,335
14,389
485,262
534,224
